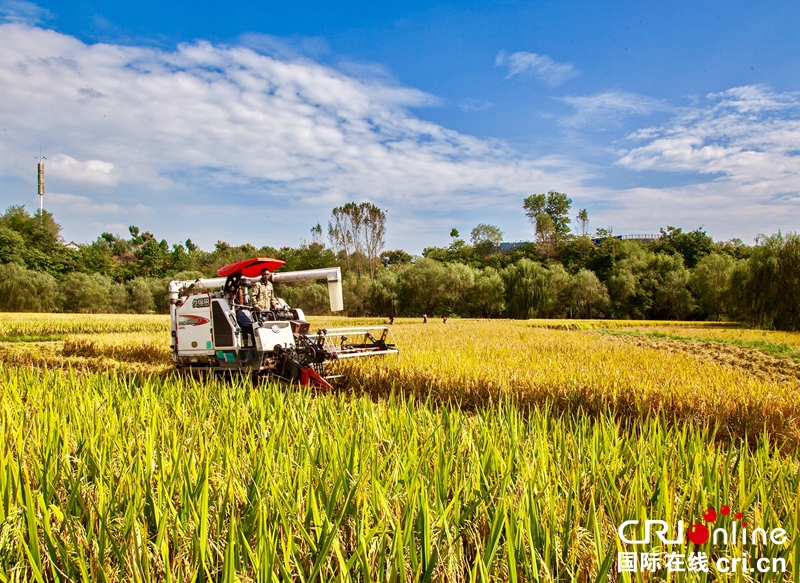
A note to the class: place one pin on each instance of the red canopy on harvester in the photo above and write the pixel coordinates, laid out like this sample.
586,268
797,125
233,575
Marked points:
251,267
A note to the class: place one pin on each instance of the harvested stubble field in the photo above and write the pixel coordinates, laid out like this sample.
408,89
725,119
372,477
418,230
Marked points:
493,450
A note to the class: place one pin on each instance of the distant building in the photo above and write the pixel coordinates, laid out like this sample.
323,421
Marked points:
72,245
514,245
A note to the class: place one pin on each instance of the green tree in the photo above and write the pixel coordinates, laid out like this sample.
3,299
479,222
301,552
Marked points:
97,257
119,299
383,293
577,253
768,283
316,234
587,295
12,246
153,257
604,233
140,297
710,283
734,247
359,232
554,205
673,301
456,290
533,290
457,252
582,218
356,292
420,287
486,233
43,249
488,295
692,246
86,294
741,301
396,257
311,297
22,290
643,284
179,259
307,256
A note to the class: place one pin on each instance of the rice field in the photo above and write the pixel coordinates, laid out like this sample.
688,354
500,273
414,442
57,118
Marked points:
487,451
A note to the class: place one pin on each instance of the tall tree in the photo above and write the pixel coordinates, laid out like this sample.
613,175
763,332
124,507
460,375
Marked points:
482,233
582,219
766,287
342,230
710,281
35,240
316,233
554,205
374,235
692,246
359,232
587,295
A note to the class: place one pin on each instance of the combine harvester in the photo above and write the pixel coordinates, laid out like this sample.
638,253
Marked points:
207,335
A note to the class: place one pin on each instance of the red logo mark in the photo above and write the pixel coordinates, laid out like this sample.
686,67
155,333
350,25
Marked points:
193,320
698,533
710,515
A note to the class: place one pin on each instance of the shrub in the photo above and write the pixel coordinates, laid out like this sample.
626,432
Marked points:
22,290
86,294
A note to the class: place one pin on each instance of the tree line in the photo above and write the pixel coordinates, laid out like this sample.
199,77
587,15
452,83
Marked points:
681,275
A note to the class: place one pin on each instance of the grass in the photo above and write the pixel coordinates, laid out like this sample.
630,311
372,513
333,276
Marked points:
120,478
30,337
476,363
25,325
487,451
774,348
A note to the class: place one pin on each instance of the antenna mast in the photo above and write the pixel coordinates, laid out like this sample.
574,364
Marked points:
40,180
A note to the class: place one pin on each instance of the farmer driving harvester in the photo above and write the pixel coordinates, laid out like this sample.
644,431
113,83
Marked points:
214,330
262,296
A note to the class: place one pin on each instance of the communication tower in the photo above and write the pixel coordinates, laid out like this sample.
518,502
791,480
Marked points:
40,178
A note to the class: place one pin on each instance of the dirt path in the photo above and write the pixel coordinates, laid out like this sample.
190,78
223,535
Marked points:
756,362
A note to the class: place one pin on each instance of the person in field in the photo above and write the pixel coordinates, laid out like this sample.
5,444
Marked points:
262,296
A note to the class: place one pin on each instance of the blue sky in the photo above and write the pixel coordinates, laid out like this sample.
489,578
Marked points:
248,123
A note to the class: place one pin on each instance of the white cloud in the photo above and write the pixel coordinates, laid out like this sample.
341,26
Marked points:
229,143
746,136
725,209
83,204
552,73
243,138
474,105
609,106
91,172
19,11
285,47
205,116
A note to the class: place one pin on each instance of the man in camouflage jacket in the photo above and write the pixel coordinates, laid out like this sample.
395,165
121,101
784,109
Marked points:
262,296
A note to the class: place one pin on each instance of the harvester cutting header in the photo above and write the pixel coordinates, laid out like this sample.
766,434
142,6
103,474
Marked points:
225,324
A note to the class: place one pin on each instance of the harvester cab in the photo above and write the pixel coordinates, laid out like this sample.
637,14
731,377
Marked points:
215,329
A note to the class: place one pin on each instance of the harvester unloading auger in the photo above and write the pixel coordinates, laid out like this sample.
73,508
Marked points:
207,335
